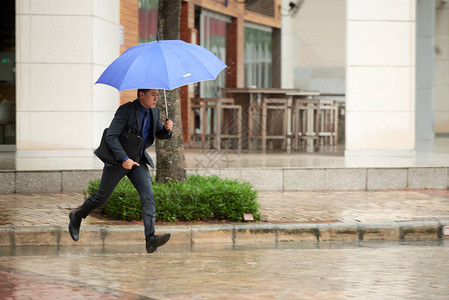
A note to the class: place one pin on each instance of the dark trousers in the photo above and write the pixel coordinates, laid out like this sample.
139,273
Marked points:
140,178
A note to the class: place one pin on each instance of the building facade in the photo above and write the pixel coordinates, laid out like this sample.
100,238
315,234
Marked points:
387,59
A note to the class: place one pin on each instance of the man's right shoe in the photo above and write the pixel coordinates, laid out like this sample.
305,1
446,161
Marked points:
157,241
74,226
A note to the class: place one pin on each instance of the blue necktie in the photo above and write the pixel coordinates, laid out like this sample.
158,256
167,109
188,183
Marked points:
145,128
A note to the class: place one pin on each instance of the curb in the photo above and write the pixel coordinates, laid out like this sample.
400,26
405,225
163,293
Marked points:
227,234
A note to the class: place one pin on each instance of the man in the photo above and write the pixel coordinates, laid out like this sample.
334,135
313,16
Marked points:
140,117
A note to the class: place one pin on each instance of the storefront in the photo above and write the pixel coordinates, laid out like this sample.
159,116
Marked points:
243,35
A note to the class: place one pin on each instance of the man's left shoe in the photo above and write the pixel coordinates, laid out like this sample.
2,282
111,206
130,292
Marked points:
156,241
74,225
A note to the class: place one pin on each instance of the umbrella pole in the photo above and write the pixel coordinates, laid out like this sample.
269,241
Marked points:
166,107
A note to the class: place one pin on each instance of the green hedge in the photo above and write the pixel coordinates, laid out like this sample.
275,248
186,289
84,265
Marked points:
198,199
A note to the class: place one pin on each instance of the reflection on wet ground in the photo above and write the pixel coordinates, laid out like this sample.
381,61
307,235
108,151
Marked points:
370,270
191,248
328,157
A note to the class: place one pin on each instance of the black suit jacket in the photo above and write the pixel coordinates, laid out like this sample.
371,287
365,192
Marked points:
128,117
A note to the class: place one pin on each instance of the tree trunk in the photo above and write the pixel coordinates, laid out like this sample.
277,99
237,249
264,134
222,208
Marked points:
170,153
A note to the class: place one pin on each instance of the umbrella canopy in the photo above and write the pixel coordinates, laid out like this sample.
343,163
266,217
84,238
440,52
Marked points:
161,65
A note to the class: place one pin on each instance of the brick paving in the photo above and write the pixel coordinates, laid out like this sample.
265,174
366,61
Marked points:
291,207
354,206
37,209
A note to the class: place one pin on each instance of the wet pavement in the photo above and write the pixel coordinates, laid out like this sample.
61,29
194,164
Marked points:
254,269
396,247
354,206
378,270
329,157
276,207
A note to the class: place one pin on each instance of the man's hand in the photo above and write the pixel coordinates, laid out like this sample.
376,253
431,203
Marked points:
168,124
129,164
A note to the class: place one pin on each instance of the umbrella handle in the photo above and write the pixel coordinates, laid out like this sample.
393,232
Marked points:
166,107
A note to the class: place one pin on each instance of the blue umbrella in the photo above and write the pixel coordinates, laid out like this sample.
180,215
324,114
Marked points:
161,65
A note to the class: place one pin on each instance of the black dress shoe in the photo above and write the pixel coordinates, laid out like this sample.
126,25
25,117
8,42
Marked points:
74,226
157,241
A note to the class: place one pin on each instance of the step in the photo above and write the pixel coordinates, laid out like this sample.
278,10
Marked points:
266,179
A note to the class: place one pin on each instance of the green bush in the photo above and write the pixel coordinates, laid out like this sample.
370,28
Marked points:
198,199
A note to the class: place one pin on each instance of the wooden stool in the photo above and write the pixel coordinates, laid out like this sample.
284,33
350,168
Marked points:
225,122
270,122
306,121
328,122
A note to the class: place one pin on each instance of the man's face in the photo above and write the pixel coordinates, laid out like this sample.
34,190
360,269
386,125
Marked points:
148,99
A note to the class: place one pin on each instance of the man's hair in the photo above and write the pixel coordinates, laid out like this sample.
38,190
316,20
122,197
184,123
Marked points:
142,90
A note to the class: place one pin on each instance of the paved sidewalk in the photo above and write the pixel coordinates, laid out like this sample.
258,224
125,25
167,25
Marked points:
42,219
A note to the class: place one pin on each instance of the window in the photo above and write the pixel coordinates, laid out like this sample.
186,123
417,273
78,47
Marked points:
258,61
213,38
148,12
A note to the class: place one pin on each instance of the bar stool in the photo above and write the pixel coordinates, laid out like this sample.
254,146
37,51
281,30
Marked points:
219,121
328,122
305,124
269,123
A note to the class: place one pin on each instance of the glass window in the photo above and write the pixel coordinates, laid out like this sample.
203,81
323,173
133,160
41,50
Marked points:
148,12
213,38
258,55
212,32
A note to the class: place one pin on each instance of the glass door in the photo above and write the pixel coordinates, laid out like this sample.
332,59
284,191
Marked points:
7,76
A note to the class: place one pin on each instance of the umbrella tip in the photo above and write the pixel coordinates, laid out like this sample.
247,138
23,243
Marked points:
157,36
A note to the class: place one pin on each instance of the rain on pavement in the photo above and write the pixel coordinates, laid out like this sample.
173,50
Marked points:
336,270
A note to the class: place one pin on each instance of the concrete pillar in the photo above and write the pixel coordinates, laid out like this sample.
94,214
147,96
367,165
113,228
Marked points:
442,67
380,78
62,46
425,41
288,46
